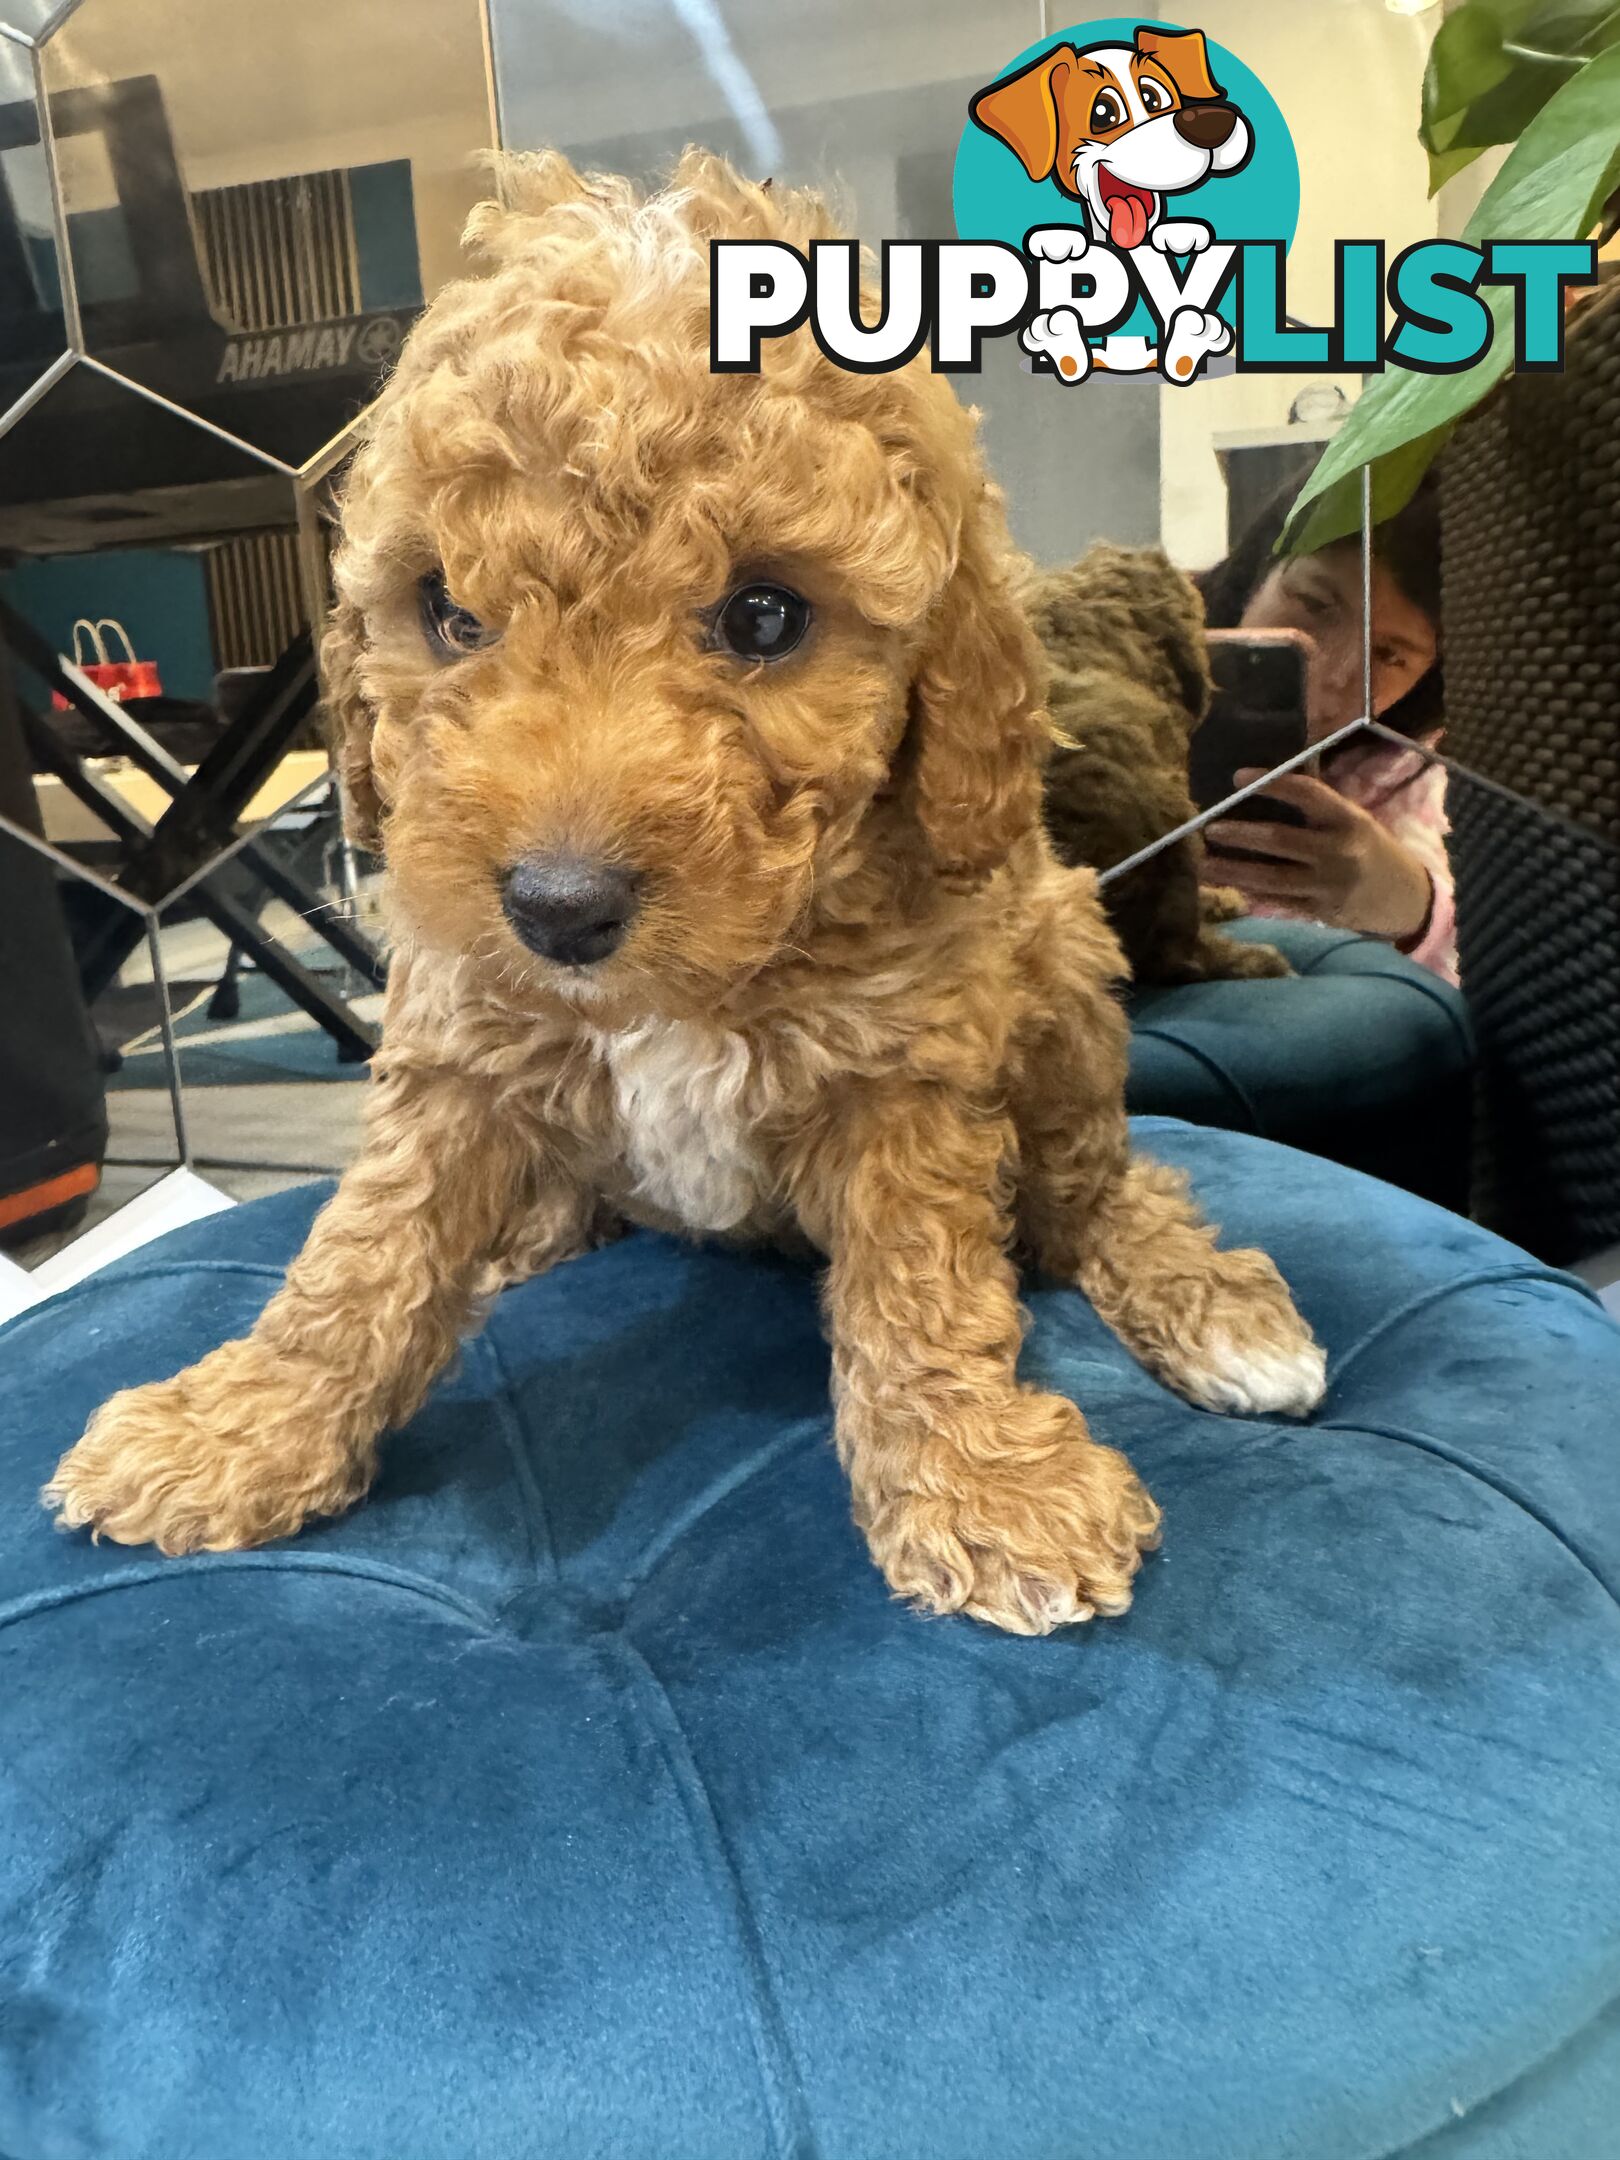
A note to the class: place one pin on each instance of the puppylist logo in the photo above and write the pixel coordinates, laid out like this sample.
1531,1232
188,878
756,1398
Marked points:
1113,156
1126,195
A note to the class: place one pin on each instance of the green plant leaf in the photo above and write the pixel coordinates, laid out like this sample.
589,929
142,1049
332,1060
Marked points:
1466,58
1395,482
1465,61
1552,187
1562,168
1444,165
1569,26
1494,66
1502,114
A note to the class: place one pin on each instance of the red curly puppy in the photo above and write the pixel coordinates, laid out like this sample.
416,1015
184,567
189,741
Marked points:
703,733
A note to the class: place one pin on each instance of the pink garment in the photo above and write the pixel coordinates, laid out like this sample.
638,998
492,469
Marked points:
1407,795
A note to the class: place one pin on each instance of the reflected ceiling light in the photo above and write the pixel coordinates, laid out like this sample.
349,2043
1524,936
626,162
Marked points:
16,69
729,73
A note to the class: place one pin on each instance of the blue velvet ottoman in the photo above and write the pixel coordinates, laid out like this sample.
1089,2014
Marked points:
584,1797
1361,1056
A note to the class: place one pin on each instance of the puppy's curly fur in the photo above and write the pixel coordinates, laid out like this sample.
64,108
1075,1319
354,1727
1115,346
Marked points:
861,1001
1124,631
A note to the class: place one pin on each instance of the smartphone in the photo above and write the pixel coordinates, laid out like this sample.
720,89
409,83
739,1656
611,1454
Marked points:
1257,717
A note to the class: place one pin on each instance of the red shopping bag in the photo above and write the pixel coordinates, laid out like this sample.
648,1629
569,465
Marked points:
117,679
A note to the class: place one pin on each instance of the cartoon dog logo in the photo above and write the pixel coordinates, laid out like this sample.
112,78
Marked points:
1119,129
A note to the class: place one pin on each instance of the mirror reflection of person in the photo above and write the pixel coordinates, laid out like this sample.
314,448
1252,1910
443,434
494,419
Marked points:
1371,855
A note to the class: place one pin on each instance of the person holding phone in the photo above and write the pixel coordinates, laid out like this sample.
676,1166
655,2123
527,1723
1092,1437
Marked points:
1370,854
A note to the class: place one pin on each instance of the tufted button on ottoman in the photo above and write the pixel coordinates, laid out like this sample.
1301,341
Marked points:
583,1796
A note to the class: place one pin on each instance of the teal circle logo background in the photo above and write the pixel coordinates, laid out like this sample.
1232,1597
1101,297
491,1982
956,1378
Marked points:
995,199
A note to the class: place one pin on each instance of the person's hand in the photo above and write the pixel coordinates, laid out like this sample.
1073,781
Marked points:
1340,867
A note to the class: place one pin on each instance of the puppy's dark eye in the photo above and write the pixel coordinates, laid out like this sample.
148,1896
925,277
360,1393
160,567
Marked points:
1107,111
1155,97
761,622
450,628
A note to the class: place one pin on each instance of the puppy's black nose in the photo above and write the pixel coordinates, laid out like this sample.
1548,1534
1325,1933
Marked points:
1206,126
569,909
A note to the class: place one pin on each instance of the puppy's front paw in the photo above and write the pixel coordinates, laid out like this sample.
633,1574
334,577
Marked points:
1221,903
1241,1345
230,1453
1236,960
1030,1527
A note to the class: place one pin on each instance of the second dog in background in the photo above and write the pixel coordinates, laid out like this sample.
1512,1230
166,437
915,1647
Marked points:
1124,632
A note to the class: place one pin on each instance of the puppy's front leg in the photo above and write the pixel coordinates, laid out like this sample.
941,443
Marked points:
284,1424
977,1494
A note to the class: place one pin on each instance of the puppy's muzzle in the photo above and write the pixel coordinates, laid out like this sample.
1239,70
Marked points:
1206,127
569,909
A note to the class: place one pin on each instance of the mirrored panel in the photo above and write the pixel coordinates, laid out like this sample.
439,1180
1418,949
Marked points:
1294,964
92,466
31,18
68,1164
32,326
62,1172
162,708
189,951
257,205
274,1018
192,1080
1177,685
1294,956
869,102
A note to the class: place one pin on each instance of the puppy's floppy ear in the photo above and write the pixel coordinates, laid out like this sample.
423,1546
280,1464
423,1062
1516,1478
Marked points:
349,725
979,731
1184,56
1024,111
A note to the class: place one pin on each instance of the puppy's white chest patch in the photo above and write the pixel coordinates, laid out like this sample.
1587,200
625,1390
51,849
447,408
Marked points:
678,1087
